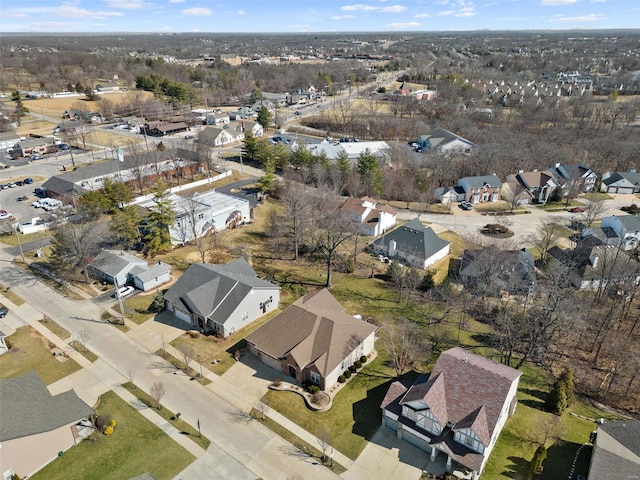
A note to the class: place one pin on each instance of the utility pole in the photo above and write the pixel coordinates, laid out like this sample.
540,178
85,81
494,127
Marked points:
115,281
15,229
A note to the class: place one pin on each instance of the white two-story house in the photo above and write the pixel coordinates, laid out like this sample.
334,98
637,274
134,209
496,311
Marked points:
456,413
374,218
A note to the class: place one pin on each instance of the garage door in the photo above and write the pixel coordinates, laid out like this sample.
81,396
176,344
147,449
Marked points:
625,190
391,423
270,361
413,439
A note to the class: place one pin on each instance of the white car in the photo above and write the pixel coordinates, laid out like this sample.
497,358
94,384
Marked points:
123,292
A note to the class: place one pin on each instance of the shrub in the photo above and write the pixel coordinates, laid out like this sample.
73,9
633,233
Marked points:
535,467
314,388
358,364
318,398
102,421
277,382
342,379
363,359
353,368
113,423
347,373
108,430
194,333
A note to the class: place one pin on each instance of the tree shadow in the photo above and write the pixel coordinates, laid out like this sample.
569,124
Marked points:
238,416
518,468
293,451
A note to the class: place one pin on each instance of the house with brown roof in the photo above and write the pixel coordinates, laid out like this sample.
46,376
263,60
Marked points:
374,218
160,129
313,340
541,184
456,412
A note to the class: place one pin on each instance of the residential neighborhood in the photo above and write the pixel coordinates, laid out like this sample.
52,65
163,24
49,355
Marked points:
336,255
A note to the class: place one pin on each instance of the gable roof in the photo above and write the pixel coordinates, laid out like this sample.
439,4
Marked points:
439,138
481,181
27,407
112,262
313,330
507,269
215,291
64,186
631,177
616,453
415,239
533,180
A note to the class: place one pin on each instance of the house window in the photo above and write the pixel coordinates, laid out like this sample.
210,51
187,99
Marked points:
468,440
315,377
245,316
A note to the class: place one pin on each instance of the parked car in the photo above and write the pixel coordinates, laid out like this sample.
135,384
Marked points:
123,292
64,146
22,198
19,183
36,157
577,209
28,181
3,311
188,137
464,205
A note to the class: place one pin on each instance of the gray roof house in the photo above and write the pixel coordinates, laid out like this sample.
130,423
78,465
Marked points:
414,244
312,340
221,298
120,267
440,140
498,270
626,229
481,189
621,182
32,420
575,177
616,450
455,413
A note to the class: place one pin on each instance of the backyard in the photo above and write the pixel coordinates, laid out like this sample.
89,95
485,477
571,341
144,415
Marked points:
136,446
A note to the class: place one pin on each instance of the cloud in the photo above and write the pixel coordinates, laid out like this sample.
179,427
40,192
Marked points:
553,3
197,12
6,14
241,12
421,15
75,12
446,12
128,4
342,17
175,1
361,7
404,25
591,17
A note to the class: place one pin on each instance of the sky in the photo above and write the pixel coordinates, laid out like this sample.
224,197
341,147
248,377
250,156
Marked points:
287,16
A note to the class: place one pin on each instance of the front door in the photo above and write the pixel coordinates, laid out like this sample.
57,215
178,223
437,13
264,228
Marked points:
292,371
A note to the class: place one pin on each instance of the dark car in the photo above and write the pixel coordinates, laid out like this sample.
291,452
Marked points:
19,183
22,198
64,146
466,205
28,181
36,157
3,311
577,209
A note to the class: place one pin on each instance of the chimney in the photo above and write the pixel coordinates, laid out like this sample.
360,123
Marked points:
558,165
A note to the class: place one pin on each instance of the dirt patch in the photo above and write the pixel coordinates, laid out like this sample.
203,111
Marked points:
50,106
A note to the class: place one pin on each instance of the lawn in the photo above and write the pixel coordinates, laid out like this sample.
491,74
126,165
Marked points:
355,415
212,348
11,239
137,446
178,423
511,455
84,351
54,328
137,307
11,295
180,365
31,351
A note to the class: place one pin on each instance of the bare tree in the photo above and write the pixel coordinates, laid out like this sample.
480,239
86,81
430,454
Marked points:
84,336
190,228
262,405
403,343
546,235
324,441
297,204
187,355
131,376
594,207
157,392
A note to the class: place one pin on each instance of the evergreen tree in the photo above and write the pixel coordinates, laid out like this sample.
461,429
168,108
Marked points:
561,395
268,183
158,238
369,171
125,226
117,193
250,147
92,204
535,467
264,117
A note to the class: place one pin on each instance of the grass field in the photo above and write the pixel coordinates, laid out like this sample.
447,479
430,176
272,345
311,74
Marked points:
178,423
136,446
31,351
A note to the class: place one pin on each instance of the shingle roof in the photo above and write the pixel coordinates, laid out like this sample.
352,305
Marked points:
481,181
617,451
533,180
415,239
314,330
27,407
63,185
155,270
466,390
215,291
112,262
439,137
631,177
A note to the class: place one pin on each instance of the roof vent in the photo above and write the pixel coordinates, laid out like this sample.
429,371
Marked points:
465,360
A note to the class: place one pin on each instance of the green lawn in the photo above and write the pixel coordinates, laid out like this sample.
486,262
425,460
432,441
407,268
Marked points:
84,351
11,295
137,446
137,307
180,424
31,351
510,457
355,414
